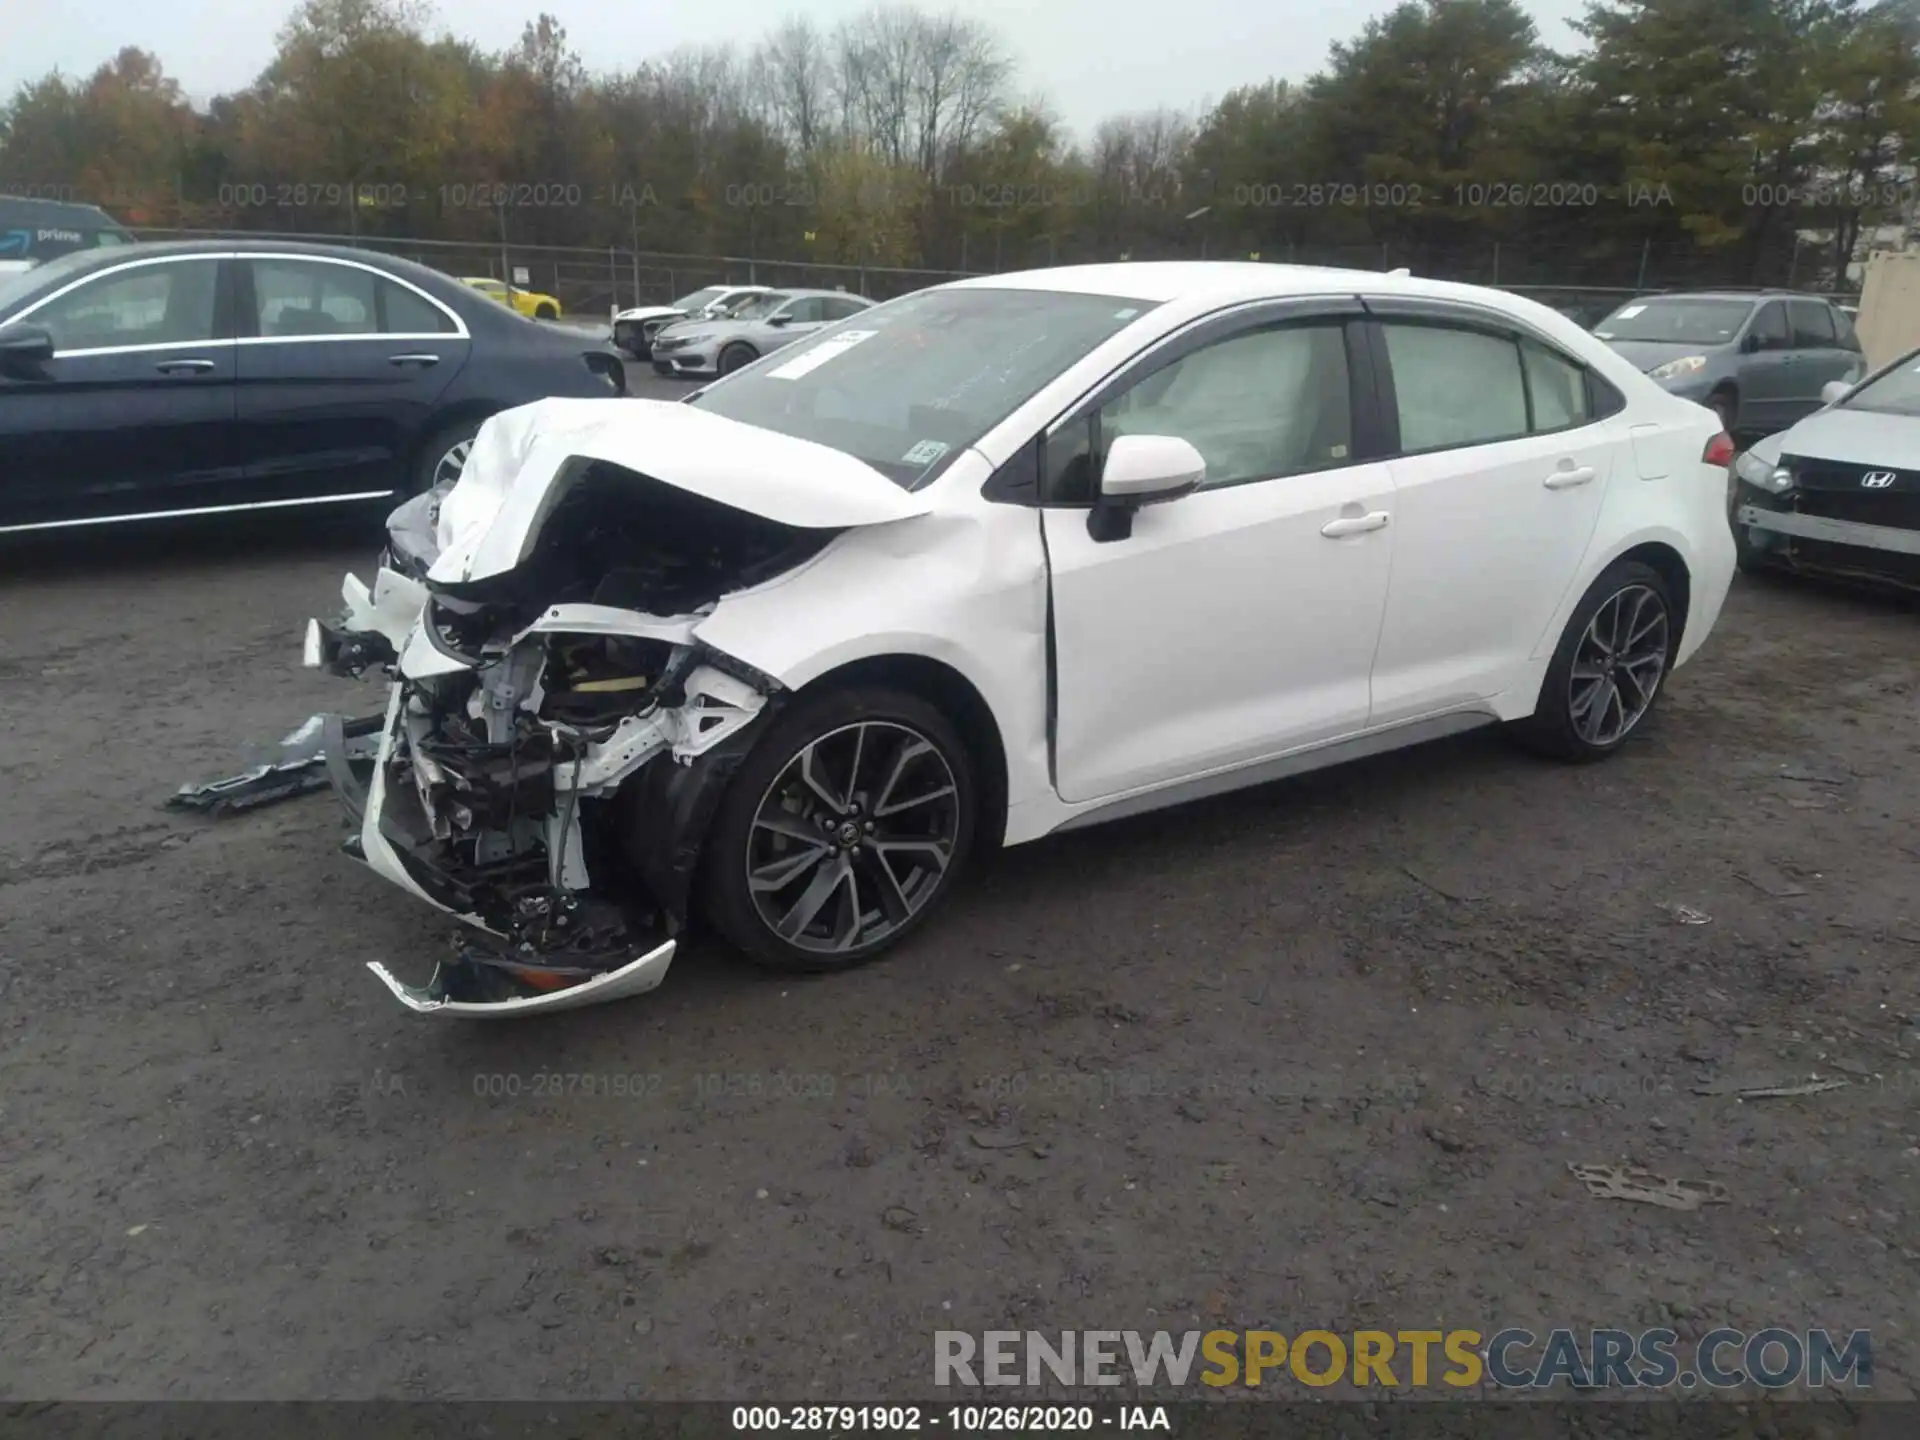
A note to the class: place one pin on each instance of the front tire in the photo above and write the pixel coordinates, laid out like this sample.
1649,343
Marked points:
846,827
545,312
1609,668
737,357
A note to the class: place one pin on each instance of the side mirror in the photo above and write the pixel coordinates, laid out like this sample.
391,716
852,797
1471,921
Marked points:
1142,470
25,345
1834,391
1749,343
781,319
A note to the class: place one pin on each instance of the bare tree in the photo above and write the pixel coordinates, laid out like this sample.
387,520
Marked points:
791,75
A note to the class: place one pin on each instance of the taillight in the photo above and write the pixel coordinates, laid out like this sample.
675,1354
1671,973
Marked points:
1720,451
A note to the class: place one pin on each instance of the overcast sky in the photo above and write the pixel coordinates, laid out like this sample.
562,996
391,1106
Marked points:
1089,58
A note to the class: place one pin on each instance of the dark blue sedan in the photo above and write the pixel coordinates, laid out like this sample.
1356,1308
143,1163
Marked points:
145,382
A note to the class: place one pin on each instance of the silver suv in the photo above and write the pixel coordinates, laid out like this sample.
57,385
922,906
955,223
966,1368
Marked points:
1757,358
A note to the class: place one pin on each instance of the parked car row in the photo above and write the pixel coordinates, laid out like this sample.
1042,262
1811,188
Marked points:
1831,482
176,379
754,327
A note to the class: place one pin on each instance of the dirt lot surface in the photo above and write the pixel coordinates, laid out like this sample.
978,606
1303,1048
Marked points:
1316,1055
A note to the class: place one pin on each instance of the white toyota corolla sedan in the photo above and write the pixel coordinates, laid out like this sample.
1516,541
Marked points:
998,559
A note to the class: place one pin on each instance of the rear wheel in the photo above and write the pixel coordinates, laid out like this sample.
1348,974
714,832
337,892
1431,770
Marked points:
845,828
1609,667
444,455
545,312
736,357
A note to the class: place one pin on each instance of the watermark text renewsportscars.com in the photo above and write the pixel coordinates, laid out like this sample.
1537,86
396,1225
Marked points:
1510,1359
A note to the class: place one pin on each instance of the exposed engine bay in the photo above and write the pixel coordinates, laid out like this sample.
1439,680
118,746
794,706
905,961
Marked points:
556,737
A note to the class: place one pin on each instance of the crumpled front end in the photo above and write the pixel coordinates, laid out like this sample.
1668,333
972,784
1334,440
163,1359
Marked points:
557,736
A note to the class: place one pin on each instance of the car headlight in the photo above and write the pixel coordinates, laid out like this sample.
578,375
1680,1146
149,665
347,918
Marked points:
699,337
1673,369
1765,475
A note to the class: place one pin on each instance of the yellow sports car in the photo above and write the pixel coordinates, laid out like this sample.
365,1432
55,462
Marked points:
528,302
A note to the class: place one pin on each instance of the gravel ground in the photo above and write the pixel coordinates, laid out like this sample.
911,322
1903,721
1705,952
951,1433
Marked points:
1317,1055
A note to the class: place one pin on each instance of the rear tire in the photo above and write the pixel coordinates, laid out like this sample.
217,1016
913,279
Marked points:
737,357
1609,668
847,826
444,455
545,312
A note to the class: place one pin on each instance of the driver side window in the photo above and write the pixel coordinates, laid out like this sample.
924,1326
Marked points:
1770,327
1257,406
171,303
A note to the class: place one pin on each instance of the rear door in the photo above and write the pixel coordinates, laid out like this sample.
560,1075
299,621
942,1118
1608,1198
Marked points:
1500,464
132,417
340,366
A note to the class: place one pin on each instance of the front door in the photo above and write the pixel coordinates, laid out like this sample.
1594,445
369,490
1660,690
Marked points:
1768,383
340,366
132,417
1240,621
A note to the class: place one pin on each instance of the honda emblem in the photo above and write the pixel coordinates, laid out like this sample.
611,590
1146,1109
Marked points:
1877,479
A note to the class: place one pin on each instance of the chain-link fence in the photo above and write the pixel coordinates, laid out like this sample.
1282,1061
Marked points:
594,283
591,284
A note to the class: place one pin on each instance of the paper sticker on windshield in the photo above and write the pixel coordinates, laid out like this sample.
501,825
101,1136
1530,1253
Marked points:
1125,314
925,453
1629,312
820,354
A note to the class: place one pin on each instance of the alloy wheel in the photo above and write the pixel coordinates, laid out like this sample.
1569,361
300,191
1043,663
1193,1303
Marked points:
1618,665
853,838
451,464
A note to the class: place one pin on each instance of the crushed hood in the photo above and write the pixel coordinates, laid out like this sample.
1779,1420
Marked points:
490,518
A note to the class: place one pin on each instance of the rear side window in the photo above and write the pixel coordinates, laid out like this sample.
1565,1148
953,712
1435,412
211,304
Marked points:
1812,324
402,312
1557,387
841,309
1454,386
304,299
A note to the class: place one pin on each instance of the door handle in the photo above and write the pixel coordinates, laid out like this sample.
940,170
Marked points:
1355,524
184,367
1567,479
422,360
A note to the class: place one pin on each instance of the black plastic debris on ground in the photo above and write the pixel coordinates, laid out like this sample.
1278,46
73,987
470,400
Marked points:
299,766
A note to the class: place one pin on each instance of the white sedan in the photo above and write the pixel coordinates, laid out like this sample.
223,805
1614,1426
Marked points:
995,560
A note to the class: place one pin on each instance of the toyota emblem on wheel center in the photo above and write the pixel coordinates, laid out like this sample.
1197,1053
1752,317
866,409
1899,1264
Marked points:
1877,479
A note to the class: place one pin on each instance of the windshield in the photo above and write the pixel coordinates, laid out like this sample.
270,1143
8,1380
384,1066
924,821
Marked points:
909,385
1895,393
1676,322
698,298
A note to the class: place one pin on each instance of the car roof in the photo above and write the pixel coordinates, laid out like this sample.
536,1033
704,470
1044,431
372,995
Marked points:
55,214
1221,281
